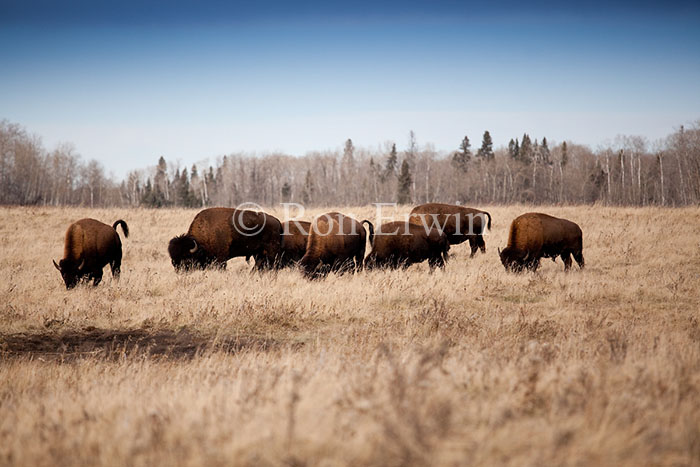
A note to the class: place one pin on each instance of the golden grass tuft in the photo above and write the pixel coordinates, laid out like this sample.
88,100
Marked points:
466,366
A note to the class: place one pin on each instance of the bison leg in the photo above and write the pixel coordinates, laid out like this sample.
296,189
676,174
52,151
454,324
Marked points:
359,261
566,257
481,243
534,264
116,266
96,277
474,244
578,256
436,261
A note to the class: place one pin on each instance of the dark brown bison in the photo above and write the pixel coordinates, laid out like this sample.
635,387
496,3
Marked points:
90,245
294,237
400,244
460,223
535,235
336,243
219,234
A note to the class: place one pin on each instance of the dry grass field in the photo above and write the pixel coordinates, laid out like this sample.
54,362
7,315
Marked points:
466,366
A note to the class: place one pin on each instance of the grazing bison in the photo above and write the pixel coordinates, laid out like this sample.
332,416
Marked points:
219,234
534,235
400,244
294,237
336,243
458,222
90,245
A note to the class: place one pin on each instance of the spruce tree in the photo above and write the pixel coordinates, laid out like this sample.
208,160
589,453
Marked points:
151,197
161,182
544,151
461,158
486,150
195,186
307,195
513,149
564,154
185,192
175,185
525,154
391,163
404,185
286,192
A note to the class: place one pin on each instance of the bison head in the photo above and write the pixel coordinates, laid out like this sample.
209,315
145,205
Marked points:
186,254
70,272
513,259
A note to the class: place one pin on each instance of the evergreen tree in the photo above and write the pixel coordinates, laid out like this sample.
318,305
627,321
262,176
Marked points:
375,174
564,154
175,186
412,150
404,186
514,149
525,154
461,158
546,154
211,183
286,192
486,150
150,197
307,195
185,192
391,163
195,187
348,163
349,151
597,179
161,182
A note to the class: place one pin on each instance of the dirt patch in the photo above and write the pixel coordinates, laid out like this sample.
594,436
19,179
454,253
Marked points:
112,343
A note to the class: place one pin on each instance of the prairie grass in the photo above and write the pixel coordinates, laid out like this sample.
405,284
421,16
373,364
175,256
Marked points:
466,366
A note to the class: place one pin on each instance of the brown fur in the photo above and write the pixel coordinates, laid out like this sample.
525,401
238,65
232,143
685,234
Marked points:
336,242
89,246
535,235
400,244
294,237
455,222
219,235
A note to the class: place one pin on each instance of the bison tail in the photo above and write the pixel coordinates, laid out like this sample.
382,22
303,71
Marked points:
489,224
370,226
125,228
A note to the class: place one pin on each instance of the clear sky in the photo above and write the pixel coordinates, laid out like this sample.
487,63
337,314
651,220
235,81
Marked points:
129,81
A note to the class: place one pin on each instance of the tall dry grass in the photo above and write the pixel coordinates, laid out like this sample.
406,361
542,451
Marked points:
466,366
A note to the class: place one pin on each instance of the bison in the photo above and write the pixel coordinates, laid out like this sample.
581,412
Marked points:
89,246
336,243
400,244
535,235
294,237
219,234
458,222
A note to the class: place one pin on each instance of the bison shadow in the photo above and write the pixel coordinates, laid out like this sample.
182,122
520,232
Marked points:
117,343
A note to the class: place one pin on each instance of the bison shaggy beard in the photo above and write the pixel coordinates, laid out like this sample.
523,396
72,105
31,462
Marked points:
186,254
514,259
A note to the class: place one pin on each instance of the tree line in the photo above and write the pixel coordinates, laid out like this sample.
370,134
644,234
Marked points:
630,171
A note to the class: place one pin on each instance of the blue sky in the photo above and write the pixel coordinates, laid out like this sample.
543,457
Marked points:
127,82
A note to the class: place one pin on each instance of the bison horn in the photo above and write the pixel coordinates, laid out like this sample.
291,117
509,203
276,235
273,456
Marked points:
57,266
499,251
195,246
82,263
